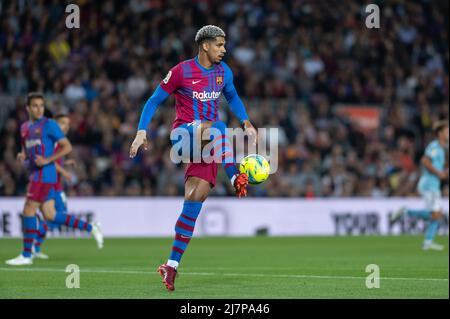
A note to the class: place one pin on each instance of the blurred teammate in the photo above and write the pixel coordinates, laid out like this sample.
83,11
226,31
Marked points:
62,218
197,84
429,186
39,136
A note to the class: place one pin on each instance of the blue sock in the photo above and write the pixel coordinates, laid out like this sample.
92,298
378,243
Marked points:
432,230
222,146
420,213
184,228
30,234
61,218
41,233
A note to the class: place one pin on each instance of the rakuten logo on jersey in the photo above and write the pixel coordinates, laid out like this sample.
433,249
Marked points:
32,143
205,96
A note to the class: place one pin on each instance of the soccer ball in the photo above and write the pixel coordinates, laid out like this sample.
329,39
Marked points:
256,167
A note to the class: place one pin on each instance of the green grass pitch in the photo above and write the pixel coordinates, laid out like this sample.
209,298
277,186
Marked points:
217,267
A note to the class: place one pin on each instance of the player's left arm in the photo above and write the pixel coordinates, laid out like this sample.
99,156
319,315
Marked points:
22,155
236,105
65,147
64,172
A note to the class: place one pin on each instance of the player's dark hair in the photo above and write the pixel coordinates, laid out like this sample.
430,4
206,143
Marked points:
207,33
34,95
60,116
439,126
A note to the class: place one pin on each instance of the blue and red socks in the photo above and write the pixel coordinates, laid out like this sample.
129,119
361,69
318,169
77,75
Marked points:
61,218
29,234
41,234
184,230
223,147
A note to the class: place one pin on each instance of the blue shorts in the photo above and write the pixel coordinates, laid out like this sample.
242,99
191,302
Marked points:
60,200
185,136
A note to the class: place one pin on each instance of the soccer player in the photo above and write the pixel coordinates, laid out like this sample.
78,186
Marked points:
62,218
39,136
429,186
197,84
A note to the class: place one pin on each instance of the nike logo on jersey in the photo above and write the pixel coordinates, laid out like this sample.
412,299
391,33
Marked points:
195,82
182,236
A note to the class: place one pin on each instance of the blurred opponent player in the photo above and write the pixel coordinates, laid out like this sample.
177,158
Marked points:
197,84
39,136
62,218
429,186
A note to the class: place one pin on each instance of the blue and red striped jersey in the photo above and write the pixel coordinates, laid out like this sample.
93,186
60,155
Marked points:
39,138
197,90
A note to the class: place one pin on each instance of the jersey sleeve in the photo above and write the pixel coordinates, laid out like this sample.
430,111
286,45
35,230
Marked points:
431,151
53,131
235,102
173,80
157,98
168,85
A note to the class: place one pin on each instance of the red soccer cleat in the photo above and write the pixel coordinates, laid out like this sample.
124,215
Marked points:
240,184
168,273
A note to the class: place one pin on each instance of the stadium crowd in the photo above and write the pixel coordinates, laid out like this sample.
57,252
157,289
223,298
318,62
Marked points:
294,62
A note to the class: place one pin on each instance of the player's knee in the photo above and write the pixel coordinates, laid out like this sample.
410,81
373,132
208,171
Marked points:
29,209
49,216
436,215
195,196
49,212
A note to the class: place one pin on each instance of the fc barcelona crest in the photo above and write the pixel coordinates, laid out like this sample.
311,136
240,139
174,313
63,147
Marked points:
219,80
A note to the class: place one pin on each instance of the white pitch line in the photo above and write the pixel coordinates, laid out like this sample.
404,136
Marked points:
137,272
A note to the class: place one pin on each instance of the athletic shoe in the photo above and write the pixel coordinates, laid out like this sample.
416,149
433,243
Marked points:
432,246
97,233
240,184
169,274
20,260
40,255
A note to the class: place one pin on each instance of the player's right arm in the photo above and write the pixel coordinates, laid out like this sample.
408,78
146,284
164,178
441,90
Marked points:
427,161
22,155
170,84
428,164
57,136
61,170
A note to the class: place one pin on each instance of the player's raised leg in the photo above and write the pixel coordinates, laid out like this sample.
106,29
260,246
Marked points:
58,215
414,213
223,152
196,191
